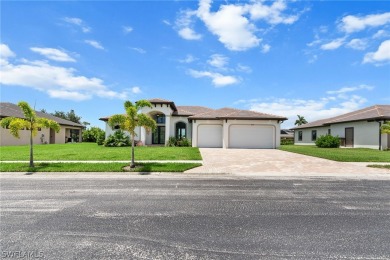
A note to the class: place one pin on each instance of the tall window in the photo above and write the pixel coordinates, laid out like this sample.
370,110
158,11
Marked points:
314,135
181,130
300,135
159,118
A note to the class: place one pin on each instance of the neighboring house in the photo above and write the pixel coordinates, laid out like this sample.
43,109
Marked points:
360,128
68,130
286,134
206,127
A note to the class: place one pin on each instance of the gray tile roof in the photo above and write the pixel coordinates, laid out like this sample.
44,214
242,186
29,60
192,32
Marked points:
377,112
12,110
191,110
233,113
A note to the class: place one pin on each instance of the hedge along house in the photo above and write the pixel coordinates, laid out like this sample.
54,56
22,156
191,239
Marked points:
206,127
70,131
359,129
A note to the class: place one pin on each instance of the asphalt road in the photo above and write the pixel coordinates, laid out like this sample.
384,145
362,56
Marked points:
194,218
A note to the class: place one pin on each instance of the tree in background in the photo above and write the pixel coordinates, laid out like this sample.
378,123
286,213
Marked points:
385,129
131,120
31,122
300,121
71,116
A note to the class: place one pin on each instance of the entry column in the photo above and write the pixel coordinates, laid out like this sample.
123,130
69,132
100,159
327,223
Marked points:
167,127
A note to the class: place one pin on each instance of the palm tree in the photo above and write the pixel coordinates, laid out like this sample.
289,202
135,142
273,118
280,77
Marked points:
131,120
300,121
385,129
30,122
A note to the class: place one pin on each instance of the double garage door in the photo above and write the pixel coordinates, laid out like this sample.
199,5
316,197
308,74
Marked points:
239,136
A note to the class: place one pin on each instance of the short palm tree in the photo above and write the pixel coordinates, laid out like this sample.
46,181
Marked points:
300,121
129,121
385,129
30,122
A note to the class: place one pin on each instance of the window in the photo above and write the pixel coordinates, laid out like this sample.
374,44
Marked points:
314,135
181,130
116,127
300,136
329,131
159,118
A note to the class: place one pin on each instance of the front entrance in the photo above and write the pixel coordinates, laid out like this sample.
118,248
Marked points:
349,137
52,136
158,136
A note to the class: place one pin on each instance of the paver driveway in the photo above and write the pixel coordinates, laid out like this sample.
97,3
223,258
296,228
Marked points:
237,161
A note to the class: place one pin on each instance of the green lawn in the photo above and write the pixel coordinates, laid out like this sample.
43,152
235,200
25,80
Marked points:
92,152
340,154
96,167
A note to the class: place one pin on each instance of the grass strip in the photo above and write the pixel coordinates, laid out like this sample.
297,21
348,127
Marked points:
381,166
92,152
340,154
96,167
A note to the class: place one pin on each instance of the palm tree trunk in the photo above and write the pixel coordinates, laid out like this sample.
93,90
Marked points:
132,164
31,149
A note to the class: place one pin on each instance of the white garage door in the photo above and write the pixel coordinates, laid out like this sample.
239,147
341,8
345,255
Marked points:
251,136
210,136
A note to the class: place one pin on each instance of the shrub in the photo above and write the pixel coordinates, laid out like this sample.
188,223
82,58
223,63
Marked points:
118,139
183,142
92,134
100,138
328,141
286,141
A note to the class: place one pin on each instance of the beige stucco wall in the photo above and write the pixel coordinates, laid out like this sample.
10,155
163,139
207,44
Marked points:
366,134
7,139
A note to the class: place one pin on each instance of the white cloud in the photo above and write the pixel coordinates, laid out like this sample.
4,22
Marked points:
78,22
53,54
217,79
94,44
218,60
351,23
184,25
265,48
127,29
380,56
5,51
139,50
244,68
311,109
334,44
56,81
350,89
166,22
381,34
233,29
136,90
188,59
358,44
272,14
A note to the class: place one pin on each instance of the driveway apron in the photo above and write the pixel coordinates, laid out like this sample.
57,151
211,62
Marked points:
273,161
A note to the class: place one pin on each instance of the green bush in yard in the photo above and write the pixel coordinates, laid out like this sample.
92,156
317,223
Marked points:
328,141
100,138
118,139
178,142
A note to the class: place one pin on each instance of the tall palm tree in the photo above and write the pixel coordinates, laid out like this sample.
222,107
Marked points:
385,129
30,122
131,120
300,121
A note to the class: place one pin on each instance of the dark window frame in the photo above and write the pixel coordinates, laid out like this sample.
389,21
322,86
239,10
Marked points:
178,130
313,135
300,135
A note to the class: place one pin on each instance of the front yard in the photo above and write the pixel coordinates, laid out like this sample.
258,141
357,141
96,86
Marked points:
340,154
94,152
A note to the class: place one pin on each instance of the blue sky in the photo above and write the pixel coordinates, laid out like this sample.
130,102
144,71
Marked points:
313,58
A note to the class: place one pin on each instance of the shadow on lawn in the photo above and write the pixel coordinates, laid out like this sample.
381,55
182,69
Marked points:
39,167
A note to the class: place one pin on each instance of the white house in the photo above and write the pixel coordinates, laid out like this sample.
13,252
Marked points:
360,128
206,127
69,130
